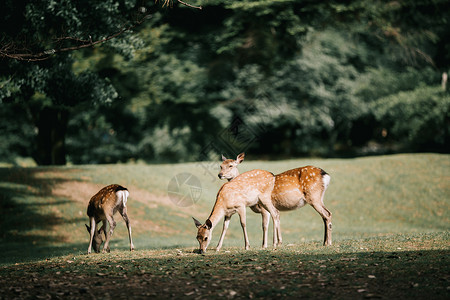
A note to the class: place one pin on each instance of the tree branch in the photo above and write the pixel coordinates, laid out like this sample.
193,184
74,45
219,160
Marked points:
167,2
189,5
12,51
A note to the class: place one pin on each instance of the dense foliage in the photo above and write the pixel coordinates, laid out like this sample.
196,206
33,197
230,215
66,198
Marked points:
275,78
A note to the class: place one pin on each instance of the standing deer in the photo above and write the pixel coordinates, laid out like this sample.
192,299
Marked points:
102,208
247,189
293,189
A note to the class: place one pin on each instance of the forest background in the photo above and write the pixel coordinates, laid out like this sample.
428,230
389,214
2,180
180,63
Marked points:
276,79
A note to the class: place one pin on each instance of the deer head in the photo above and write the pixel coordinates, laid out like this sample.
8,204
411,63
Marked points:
228,168
204,234
97,240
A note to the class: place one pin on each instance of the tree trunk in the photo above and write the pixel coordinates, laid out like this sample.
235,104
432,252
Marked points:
52,126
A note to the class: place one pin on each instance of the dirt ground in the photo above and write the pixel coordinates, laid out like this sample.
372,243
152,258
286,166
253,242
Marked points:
404,275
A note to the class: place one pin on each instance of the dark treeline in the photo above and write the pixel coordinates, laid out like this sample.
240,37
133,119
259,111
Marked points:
276,79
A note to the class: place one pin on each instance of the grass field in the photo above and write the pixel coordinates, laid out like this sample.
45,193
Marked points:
391,221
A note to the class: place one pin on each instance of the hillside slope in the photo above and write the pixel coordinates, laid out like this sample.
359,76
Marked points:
44,209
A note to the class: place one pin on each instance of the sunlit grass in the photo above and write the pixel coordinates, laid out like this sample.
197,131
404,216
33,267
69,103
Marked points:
395,266
369,197
390,235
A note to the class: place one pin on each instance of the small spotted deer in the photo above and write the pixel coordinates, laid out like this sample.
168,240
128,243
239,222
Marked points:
293,189
247,189
102,208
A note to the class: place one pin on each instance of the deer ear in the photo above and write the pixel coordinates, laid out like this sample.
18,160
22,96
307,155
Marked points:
240,158
224,158
197,223
88,228
208,224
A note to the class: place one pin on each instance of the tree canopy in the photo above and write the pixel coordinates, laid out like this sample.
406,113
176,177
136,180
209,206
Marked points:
97,82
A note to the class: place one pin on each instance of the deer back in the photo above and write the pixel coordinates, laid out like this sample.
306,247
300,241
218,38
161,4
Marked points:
294,188
245,189
106,201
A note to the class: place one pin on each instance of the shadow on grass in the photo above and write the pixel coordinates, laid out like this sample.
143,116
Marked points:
16,252
28,224
268,274
421,274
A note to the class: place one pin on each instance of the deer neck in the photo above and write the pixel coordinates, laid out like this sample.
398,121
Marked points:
235,175
215,217
217,214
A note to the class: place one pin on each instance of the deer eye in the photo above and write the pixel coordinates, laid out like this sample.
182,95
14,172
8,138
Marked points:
206,238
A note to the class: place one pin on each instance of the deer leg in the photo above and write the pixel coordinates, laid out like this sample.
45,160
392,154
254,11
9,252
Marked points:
265,221
278,232
326,217
103,229
267,204
226,222
123,212
243,216
112,226
276,224
91,238
265,226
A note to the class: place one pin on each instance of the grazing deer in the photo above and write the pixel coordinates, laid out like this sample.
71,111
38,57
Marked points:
247,189
102,208
293,189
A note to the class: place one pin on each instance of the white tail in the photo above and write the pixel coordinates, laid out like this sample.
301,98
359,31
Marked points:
292,189
101,208
247,189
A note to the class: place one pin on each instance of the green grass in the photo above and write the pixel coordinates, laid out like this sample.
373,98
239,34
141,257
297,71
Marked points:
391,217
400,267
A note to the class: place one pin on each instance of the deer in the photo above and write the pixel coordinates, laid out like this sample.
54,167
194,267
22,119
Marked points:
292,189
102,207
247,189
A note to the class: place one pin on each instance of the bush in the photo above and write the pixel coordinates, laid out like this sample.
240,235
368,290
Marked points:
420,118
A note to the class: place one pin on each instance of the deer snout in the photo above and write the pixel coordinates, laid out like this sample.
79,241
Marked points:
220,175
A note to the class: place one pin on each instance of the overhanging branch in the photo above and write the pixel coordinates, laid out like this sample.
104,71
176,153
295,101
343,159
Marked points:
169,2
12,51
